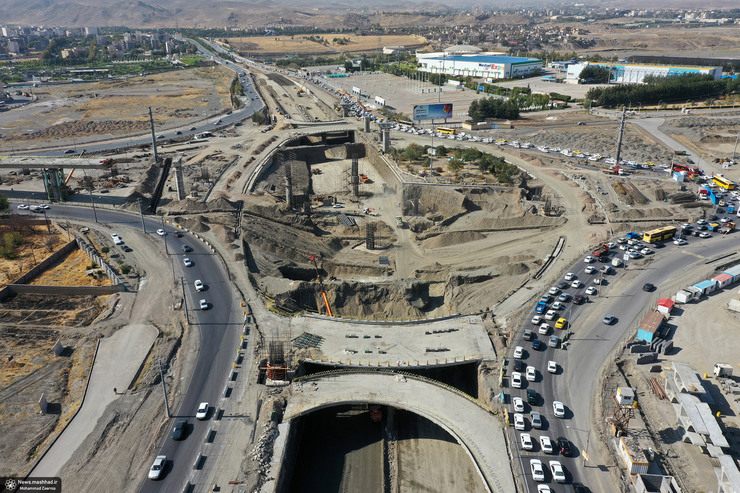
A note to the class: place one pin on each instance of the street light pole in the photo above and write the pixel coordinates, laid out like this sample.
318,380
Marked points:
165,237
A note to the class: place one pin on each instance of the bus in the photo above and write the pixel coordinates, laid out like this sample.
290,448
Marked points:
446,130
723,182
660,234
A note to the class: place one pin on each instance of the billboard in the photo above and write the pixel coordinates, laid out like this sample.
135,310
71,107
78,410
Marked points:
432,111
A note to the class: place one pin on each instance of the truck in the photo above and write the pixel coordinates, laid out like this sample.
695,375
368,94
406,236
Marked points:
633,236
399,222
722,370
601,251
540,307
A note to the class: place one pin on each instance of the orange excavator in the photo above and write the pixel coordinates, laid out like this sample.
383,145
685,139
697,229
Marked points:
321,284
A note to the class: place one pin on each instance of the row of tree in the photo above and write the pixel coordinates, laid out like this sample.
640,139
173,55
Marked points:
655,89
486,163
495,108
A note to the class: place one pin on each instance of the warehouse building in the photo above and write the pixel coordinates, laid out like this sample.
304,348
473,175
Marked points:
479,65
635,73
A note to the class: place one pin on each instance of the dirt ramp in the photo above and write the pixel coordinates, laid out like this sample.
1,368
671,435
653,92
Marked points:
453,238
420,200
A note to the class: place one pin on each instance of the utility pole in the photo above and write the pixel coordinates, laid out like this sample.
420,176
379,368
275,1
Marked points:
154,139
165,237
184,300
164,388
621,133
141,214
93,205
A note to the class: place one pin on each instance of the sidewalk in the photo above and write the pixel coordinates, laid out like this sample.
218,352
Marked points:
117,362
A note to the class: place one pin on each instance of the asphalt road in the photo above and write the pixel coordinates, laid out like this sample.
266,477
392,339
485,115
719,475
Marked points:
219,330
590,344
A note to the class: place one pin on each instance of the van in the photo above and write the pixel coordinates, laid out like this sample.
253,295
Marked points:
617,262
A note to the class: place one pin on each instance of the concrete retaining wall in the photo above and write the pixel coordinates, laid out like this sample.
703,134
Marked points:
93,254
66,290
380,164
46,263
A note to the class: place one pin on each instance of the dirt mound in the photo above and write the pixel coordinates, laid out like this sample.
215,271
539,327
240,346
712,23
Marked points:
83,128
448,202
453,238
197,224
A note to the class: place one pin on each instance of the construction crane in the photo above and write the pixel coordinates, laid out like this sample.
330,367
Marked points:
301,89
321,284
69,176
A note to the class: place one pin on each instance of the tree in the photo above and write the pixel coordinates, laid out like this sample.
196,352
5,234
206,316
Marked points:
4,204
594,74
455,166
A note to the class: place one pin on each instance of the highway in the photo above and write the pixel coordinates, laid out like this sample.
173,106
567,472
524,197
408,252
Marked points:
591,343
219,330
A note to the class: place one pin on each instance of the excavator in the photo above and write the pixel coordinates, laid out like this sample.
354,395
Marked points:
321,284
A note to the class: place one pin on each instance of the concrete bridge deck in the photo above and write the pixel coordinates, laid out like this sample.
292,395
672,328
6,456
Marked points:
475,427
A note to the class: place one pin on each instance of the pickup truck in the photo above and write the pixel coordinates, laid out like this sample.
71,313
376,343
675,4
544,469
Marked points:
540,307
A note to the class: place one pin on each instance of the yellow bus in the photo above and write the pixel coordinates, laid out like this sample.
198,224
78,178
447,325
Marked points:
723,182
660,234
446,130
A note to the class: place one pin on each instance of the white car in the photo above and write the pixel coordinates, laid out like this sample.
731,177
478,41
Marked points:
518,352
591,290
558,305
199,285
544,329
531,374
646,251
569,276
621,240
155,472
536,320
611,245
554,291
680,242
202,412
526,439
590,269
558,474
701,221
117,239
543,488
704,234
576,285
519,423
538,474
589,259
187,262
552,367
338,205
161,232
546,444
23,207
203,304
536,419
551,314
516,380
558,409
518,404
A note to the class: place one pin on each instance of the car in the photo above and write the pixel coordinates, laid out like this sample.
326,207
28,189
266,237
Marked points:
553,341
581,123
519,423
518,404
536,320
532,397
202,412
516,380
178,234
576,284
680,242
695,233
705,235
606,269
563,445
203,304
725,220
543,488
658,245
647,287
558,409
545,298
552,367
192,128
591,290
703,227
546,444
609,319
531,374
624,247
126,248
621,240
23,207
578,299
117,239
155,472
599,280
611,245
544,328
558,305
526,439
635,255
561,323
518,352
160,136
187,262
528,335
179,132
558,474
199,286
569,276
217,122
519,365
338,205
646,251
186,248
551,314
538,474
589,259
161,232
590,269
536,344
564,297
562,285
179,430
554,291
702,221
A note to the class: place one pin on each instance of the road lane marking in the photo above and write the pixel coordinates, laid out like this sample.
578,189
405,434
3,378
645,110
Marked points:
694,254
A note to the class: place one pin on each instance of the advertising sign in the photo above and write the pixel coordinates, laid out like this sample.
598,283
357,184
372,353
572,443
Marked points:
379,101
432,111
356,90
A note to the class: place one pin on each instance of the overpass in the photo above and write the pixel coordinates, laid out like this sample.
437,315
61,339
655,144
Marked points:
470,422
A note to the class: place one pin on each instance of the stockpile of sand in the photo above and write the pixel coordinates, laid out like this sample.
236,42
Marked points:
452,238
